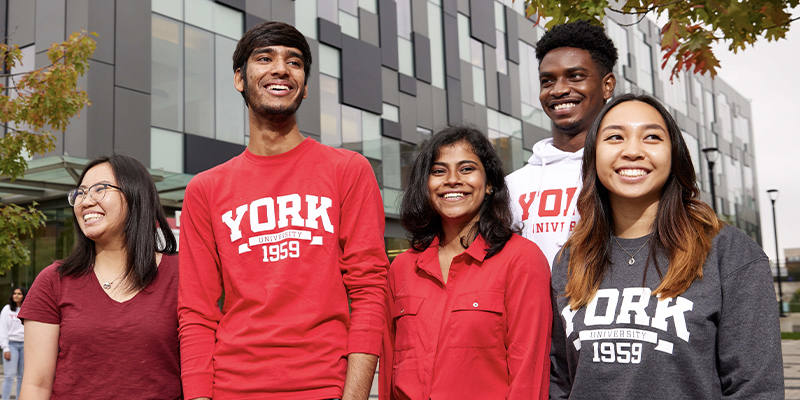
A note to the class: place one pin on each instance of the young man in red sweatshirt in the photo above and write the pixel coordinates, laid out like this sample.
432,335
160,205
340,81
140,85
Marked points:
287,232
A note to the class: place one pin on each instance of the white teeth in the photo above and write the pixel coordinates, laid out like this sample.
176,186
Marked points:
453,195
278,87
92,216
564,106
632,173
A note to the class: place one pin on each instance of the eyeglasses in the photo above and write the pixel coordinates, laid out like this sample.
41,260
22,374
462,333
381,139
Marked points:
96,192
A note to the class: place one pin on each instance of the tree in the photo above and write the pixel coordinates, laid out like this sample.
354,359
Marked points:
44,98
691,27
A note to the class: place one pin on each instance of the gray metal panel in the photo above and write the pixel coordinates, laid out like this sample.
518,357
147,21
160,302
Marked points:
368,26
481,119
259,8
419,16
4,18
237,4
132,123
467,94
490,69
387,14
50,23
101,20
451,58
133,48
450,7
21,22
504,93
516,96
439,101
407,84
481,21
408,118
100,116
532,134
454,110
512,35
75,135
329,33
390,129
283,11
308,115
469,113
251,20
424,105
422,57
463,7
201,153
361,75
525,30
389,83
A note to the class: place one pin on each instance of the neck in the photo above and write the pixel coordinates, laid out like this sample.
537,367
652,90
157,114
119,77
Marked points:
19,304
568,143
269,137
633,219
110,261
453,232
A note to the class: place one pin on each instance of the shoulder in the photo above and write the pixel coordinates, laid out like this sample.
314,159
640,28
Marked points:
521,177
49,274
733,249
6,310
523,252
213,174
408,257
168,264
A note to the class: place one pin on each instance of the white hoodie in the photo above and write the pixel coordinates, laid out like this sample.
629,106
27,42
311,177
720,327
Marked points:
544,195
10,327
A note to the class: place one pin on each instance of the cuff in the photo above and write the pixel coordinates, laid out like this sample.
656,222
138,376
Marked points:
365,342
198,385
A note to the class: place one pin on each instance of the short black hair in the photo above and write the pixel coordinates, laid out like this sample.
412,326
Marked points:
271,33
581,35
421,220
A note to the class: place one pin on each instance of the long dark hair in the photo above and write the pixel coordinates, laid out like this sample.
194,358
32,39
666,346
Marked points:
145,217
683,227
421,220
13,304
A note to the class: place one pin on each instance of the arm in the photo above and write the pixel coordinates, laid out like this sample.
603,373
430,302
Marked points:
560,384
363,259
41,352
748,337
387,354
360,373
200,288
5,321
530,315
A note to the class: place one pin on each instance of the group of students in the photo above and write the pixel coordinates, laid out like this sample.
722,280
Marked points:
285,291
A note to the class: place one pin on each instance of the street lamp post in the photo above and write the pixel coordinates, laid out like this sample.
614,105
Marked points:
773,195
711,154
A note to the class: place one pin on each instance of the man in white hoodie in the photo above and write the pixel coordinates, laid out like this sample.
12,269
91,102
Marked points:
575,79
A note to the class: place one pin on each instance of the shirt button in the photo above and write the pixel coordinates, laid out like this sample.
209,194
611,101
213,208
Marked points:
475,304
403,310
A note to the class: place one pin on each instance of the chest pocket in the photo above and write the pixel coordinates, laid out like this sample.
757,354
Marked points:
406,321
477,320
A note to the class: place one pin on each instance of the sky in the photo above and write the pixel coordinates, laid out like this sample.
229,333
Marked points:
764,75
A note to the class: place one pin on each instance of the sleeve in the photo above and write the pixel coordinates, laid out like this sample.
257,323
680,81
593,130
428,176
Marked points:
748,337
530,316
41,303
560,383
5,324
387,354
363,259
199,291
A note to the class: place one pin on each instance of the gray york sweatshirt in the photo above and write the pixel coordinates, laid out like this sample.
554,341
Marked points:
718,340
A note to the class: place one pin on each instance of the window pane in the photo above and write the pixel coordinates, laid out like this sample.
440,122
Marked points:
351,128
348,24
437,45
328,9
166,150
405,50
499,17
391,163
199,89
350,6
478,86
476,53
390,113
229,102
464,38
330,111
170,8
404,19
166,99
305,17
329,61
500,53
228,22
200,13
371,133
369,5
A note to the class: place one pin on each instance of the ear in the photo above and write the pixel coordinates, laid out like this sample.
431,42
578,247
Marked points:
238,81
305,90
489,189
609,83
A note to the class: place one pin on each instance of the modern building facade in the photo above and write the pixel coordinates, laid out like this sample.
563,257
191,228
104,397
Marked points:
386,73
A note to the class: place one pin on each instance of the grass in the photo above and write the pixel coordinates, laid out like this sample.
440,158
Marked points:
790,335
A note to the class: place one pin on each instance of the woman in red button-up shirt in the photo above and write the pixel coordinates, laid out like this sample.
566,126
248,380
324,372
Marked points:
469,305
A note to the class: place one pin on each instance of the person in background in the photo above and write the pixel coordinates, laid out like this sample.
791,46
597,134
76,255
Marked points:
469,307
657,298
12,337
103,323
576,79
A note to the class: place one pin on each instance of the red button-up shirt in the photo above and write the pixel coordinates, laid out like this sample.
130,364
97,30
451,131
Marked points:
485,334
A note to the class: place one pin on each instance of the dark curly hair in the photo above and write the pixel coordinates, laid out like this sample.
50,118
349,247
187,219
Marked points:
421,220
580,35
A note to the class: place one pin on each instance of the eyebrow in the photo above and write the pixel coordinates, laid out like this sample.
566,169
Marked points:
646,127
569,71
271,50
462,162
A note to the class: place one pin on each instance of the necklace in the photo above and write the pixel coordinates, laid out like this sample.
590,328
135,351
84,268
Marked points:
632,261
107,284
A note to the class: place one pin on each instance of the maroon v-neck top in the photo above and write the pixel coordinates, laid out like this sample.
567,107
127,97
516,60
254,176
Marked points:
107,349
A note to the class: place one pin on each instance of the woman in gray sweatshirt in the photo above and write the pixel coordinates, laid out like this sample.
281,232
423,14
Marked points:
656,298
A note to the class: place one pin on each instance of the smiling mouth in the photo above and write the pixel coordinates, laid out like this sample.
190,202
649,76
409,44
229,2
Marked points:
453,196
92,217
278,87
632,173
564,106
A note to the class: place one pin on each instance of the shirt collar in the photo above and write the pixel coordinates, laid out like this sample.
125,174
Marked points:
429,259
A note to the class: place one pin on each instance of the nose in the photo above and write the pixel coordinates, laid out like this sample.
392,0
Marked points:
560,88
279,68
452,179
633,150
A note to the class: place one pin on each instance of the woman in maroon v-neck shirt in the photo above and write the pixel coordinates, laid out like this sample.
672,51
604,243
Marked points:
102,323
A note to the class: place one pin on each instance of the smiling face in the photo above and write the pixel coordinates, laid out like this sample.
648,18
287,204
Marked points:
634,153
572,91
103,222
18,296
275,81
457,185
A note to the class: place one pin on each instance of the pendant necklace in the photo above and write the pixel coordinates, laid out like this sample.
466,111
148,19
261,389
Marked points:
107,284
632,260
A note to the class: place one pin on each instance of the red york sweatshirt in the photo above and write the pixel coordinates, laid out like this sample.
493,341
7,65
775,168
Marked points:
286,239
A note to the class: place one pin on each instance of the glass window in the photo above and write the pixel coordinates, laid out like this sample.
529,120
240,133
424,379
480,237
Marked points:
166,150
499,17
734,180
724,114
305,17
391,164
369,5
404,19
200,13
390,113
698,99
741,127
349,6
391,200
644,61
464,39
228,22
199,78
675,89
330,111
170,8
349,24
371,133
328,9
229,102
476,52
709,108
694,152
351,128
407,152
437,45
478,86
500,52
405,50
329,61
619,36
166,99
